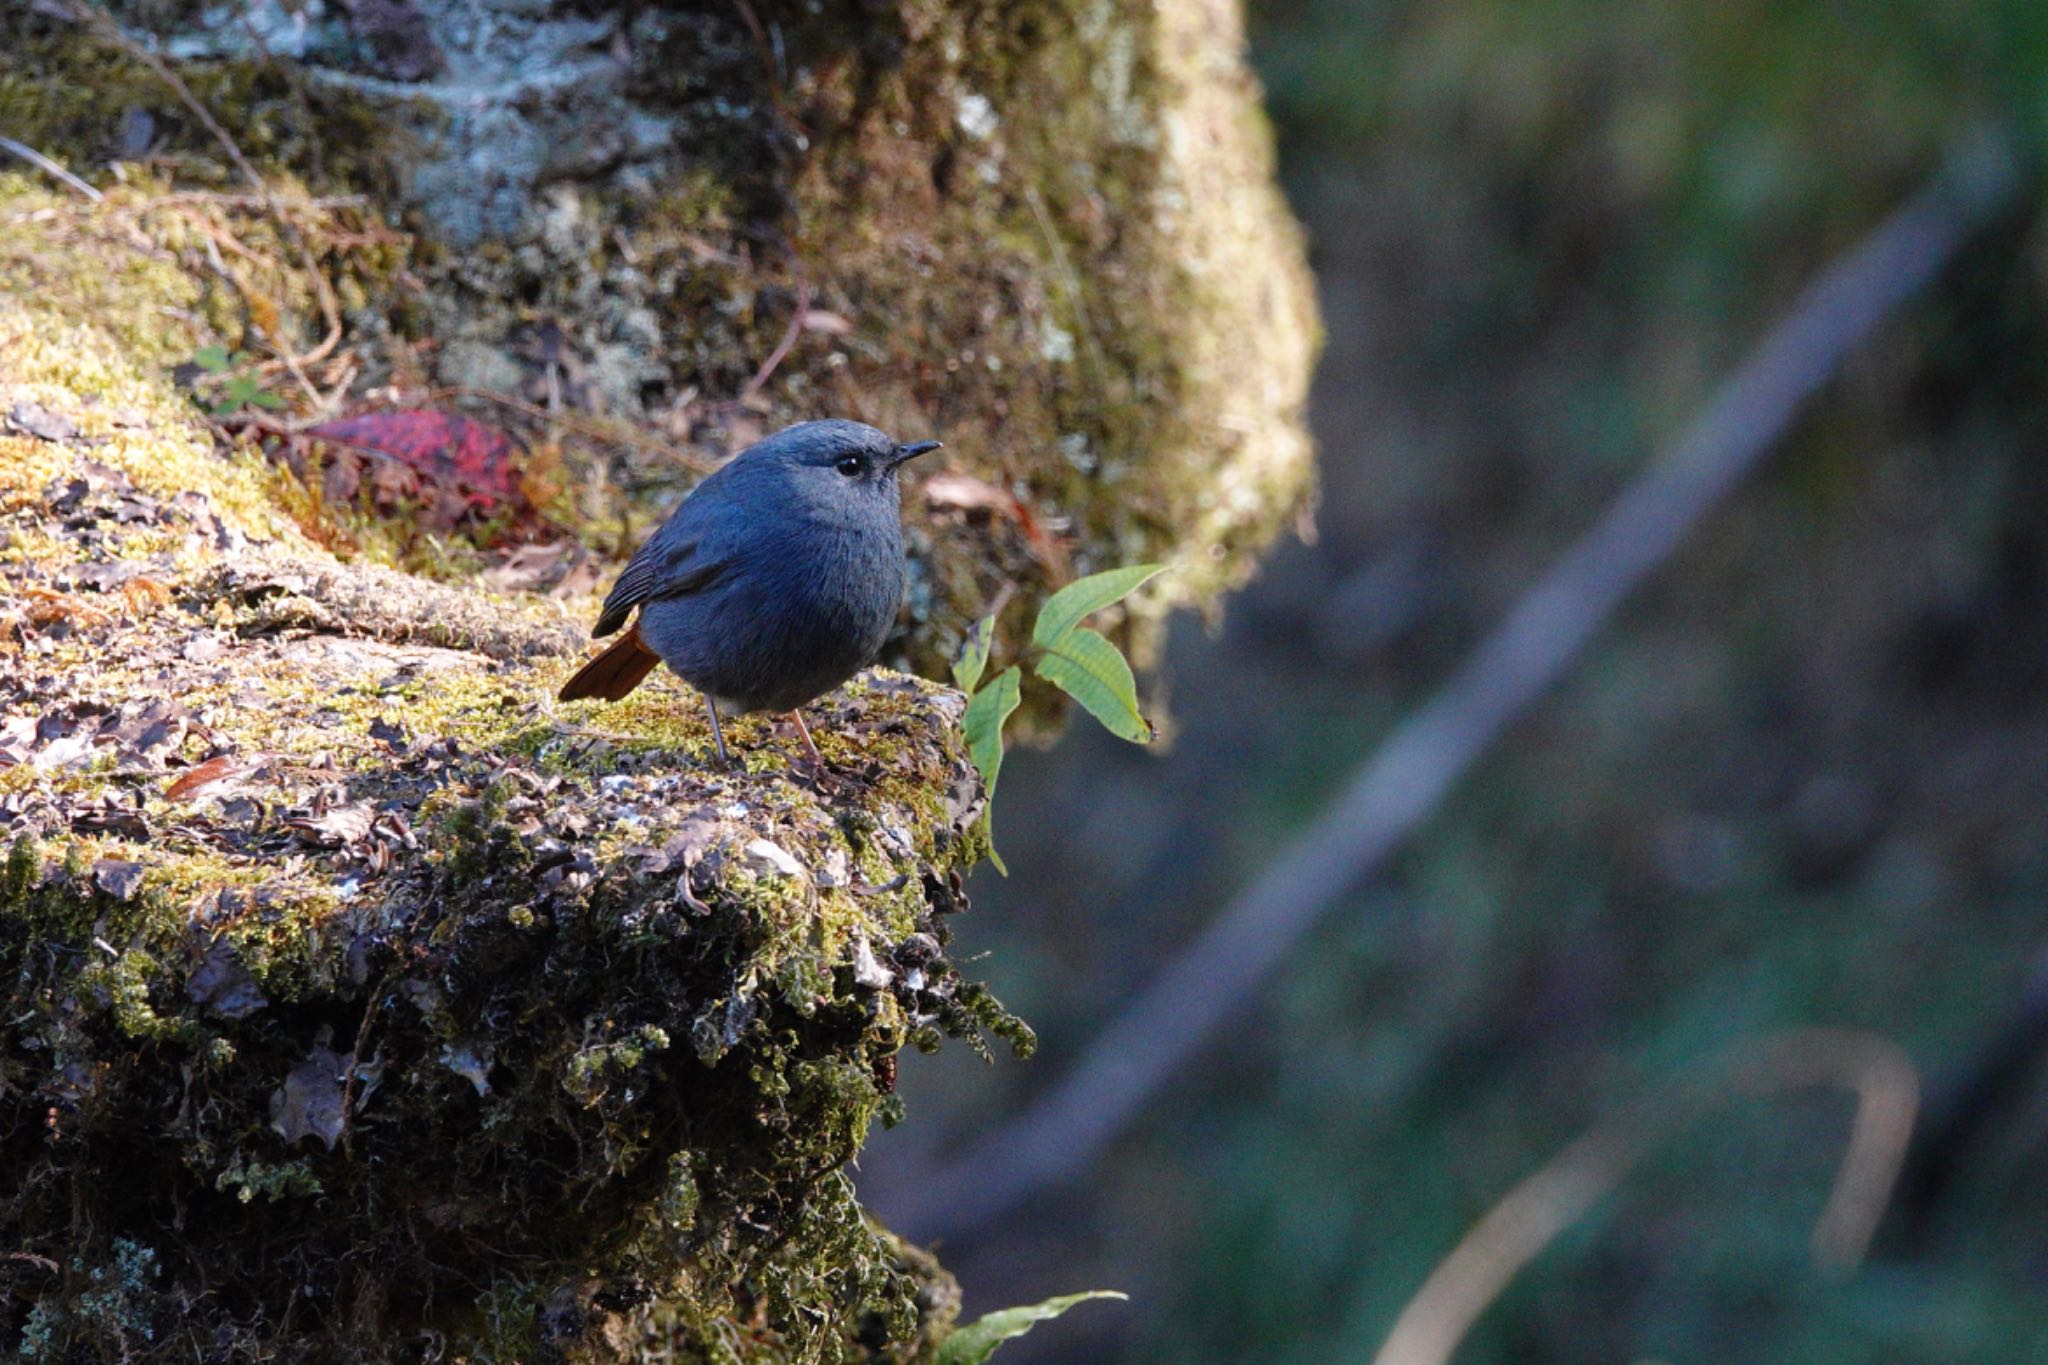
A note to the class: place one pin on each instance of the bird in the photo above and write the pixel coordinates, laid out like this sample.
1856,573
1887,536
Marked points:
775,580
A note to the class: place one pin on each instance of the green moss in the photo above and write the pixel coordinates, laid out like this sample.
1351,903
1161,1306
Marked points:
448,1010
584,1070
249,1180
23,867
98,301
1050,227
508,1003
1119,382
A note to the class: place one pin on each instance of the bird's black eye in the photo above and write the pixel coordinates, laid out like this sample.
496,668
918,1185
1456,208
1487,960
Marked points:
850,466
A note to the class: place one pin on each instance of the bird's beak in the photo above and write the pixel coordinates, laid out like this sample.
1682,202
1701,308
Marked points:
905,453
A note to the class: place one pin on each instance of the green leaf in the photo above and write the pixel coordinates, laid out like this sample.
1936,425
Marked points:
1072,604
213,359
988,825
1089,669
242,390
987,711
974,653
977,1341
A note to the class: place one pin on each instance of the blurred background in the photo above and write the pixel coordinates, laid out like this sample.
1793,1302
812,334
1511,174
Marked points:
1802,780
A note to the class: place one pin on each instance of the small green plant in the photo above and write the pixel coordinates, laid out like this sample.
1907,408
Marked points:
1080,662
234,385
978,1340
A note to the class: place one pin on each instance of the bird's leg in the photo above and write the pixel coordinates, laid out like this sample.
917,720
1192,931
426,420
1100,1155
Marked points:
717,735
809,748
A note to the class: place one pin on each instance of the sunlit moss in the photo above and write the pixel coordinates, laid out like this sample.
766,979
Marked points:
602,1054
516,1088
1051,230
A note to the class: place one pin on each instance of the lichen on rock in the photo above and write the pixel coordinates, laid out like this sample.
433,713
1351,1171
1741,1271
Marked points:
362,1001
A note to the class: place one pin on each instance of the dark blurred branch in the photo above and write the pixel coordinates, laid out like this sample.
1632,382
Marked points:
1401,785
1532,1214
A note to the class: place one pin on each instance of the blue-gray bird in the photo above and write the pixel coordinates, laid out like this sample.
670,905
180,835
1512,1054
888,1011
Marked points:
776,580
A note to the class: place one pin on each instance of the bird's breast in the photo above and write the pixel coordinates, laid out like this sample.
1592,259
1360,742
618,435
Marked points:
793,619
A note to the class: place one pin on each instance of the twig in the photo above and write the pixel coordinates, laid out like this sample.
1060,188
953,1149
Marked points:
1003,595
96,18
1515,1230
583,426
1400,786
49,167
1063,270
774,63
228,199
297,369
782,347
348,368
355,1057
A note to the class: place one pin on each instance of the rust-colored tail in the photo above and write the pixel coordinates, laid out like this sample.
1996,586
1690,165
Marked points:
615,672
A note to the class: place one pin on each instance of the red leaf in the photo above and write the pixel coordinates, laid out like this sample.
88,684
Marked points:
443,447
222,769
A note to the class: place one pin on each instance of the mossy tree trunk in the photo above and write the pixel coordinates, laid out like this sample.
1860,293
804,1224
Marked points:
360,1000
1043,231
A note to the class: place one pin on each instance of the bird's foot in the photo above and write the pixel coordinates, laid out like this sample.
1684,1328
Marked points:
820,773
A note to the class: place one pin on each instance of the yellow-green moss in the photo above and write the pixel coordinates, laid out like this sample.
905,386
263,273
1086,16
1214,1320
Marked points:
586,1096
1126,334
1050,226
616,1054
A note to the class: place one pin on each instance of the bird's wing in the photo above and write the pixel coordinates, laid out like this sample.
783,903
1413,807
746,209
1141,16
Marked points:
666,566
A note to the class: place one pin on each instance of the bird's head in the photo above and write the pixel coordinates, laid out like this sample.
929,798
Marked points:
835,458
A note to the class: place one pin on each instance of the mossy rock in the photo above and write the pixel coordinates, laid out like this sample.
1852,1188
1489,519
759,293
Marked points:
358,1001
1044,231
